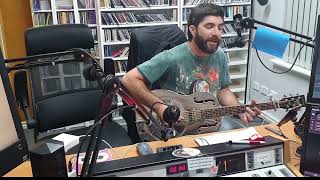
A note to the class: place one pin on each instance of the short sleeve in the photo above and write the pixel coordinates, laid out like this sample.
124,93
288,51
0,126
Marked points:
225,75
156,67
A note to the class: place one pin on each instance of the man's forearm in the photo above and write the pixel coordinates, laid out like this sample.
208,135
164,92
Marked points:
227,98
136,86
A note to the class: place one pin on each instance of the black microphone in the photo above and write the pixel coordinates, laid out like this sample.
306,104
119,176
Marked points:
237,19
171,115
237,42
92,73
263,2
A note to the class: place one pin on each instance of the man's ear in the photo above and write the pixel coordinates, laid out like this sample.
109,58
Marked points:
192,30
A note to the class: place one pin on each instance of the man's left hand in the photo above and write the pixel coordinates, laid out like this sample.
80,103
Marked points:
250,113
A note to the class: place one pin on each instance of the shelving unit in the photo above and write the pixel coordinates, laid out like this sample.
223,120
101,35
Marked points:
112,20
116,24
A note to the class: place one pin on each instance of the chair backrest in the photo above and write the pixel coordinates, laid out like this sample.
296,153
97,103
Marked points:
61,95
57,38
145,43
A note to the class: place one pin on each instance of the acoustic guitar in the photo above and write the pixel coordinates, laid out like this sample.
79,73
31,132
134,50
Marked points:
202,113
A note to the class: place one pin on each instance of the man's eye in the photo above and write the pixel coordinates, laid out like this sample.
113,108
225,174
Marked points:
209,26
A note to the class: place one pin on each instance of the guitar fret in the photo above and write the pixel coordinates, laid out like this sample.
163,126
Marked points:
234,110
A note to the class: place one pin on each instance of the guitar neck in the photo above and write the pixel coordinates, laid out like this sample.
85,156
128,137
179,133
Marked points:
234,110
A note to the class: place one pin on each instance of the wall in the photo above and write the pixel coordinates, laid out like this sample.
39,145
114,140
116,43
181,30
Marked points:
16,18
285,84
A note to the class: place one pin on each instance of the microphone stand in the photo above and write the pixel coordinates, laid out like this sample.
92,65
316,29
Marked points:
248,23
31,61
111,86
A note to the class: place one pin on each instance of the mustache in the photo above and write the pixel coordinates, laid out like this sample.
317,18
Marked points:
214,39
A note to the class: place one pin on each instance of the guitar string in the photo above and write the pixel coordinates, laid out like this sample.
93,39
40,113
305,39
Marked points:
194,113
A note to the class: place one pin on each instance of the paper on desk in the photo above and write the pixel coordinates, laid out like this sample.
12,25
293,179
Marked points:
225,137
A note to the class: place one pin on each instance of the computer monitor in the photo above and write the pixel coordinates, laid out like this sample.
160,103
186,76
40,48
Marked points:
314,87
310,154
13,145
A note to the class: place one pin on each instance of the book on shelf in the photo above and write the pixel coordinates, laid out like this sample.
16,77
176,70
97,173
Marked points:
42,19
195,2
41,5
87,17
65,17
128,18
86,4
124,52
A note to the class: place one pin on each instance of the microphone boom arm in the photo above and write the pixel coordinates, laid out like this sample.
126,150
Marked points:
248,23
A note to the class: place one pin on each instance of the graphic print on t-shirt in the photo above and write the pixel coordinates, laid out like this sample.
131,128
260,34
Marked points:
207,82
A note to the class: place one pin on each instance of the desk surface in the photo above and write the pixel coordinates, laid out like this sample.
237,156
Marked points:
24,170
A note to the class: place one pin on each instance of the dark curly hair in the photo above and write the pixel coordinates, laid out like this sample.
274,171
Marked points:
201,11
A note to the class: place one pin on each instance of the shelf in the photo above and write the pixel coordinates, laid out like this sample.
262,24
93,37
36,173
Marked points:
237,76
65,10
221,4
42,11
234,34
120,58
138,25
236,49
237,89
120,74
239,62
116,42
87,9
138,9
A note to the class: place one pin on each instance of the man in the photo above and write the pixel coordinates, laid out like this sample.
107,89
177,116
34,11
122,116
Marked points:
195,66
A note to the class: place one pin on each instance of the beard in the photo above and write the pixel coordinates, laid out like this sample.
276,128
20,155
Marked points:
203,44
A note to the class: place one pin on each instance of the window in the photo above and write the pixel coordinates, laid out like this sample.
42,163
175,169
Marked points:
301,17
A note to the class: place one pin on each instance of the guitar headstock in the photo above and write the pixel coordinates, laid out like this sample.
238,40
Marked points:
291,102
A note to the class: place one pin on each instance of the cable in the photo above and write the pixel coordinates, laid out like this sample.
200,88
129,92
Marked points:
275,71
89,131
125,154
260,100
106,144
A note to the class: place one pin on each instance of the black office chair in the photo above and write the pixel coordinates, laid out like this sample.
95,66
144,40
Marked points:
61,96
145,43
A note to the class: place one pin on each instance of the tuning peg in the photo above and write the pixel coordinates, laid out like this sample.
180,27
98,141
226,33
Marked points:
285,96
290,94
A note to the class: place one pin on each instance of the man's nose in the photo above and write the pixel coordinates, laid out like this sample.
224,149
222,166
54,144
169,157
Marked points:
215,32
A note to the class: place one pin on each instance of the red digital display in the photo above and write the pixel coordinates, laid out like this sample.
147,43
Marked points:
177,168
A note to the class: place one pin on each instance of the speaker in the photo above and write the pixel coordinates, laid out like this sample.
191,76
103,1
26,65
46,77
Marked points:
48,159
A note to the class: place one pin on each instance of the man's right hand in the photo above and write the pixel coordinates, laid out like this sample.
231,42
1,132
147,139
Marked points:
159,109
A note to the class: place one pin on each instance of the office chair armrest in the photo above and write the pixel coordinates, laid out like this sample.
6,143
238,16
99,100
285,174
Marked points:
31,123
21,92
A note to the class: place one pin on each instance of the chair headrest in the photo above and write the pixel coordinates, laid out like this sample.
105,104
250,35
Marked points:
58,38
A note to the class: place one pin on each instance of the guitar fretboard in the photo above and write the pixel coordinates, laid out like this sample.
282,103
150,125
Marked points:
234,110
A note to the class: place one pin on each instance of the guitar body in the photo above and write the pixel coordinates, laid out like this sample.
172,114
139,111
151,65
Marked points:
189,105
201,113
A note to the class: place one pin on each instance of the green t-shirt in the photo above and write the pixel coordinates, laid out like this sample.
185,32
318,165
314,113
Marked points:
179,70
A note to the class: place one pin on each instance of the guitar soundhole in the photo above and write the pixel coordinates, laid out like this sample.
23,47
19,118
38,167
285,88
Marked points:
203,100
